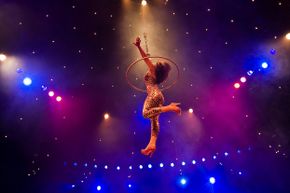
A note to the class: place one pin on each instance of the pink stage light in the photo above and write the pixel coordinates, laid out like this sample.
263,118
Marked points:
237,85
243,79
51,93
58,98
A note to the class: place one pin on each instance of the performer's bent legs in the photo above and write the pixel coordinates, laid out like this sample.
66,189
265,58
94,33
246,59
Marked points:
155,111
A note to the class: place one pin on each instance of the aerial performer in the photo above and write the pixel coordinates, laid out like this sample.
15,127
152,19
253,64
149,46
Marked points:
153,105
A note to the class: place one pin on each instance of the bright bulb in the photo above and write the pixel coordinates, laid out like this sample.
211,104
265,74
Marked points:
190,110
288,36
58,98
27,81
265,65
51,93
237,85
212,180
144,3
243,79
2,57
106,116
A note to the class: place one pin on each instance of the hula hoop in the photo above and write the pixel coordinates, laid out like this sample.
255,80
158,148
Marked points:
160,57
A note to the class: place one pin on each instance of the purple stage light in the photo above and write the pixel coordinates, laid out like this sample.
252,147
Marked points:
51,93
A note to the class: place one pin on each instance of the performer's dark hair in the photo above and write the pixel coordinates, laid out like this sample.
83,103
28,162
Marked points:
161,71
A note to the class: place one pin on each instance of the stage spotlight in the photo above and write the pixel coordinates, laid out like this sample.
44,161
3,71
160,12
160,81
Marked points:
27,81
183,163
190,110
193,162
288,36
161,165
2,57
118,168
106,116
143,2
264,65
149,166
243,79
51,93
58,98
172,164
237,85
183,181
129,185
212,180
73,186
106,167
99,188
140,167
226,153
203,159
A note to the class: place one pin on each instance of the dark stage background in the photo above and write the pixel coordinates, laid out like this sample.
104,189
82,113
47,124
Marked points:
81,50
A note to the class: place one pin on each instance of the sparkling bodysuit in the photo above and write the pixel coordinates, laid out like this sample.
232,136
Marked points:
153,102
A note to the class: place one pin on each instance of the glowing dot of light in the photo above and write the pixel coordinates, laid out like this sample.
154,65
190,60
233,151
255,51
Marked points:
250,72
288,36
172,164
183,163
237,85
226,153
203,159
106,116
99,188
161,165
129,185
3,57
95,166
243,79
58,98
130,167
141,167
193,162
240,173
183,181
214,157
265,65
51,93
73,185
190,110
143,2
118,168
149,166
212,180
27,81
106,167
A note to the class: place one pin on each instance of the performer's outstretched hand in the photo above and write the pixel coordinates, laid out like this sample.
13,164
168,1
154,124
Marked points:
137,42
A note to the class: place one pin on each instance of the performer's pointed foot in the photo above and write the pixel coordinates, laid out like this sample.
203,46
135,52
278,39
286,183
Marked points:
149,150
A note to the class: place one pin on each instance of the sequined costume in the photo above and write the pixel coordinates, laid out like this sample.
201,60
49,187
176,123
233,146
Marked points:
153,102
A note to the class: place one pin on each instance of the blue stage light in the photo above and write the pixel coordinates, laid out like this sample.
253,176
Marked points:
183,181
99,188
212,180
161,165
118,168
27,81
250,72
226,153
183,163
172,164
73,186
264,65
130,185
141,167
149,166
193,162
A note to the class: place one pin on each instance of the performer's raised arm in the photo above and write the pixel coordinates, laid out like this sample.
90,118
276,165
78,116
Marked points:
144,55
